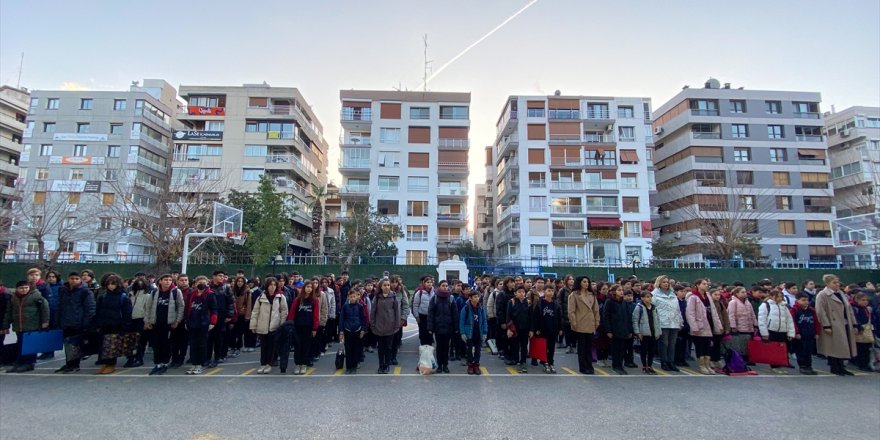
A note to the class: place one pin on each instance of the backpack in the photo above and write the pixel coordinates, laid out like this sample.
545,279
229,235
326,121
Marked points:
735,363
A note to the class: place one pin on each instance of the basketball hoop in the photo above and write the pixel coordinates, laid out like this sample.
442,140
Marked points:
850,243
237,237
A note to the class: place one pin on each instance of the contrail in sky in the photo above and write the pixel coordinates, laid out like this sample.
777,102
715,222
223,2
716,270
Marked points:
467,49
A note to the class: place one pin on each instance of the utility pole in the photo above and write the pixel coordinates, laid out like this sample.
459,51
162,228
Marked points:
20,67
427,64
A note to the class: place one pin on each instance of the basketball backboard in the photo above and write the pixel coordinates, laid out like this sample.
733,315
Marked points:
226,219
857,230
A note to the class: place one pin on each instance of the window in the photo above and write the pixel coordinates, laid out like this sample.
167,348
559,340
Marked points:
389,135
416,233
116,129
389,183
68,223
778,155
537,204
73,198
536,156
747,203
630,204
538,227
35,102
119,104
786,227
77,174
255,150
42,174
601,204
626,133
417,184
781,178
215,125
453,112
632,229
818,228
739,130
737,106
52,104
80,150
83,127
419,160
538,251
624,112
748,226
108,198
110,175
783,203
102,247
67,246
106,223
48,127
774,132
46,150
85,104
745,177
417,257
417,208
39,197
629,157
788,251
742,154
773,107
814,180
822,253
251,174
536,132
255,102
419,113
113,150
629,181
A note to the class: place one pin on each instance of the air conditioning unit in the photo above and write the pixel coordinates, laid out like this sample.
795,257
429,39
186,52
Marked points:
667,214
677,235
844,133
658,130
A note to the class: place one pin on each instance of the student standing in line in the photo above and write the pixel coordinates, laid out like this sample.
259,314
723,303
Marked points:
646,323
352,326
305,314
164,313
267,315
384,322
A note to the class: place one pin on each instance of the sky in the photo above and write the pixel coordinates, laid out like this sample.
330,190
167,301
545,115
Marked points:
580,47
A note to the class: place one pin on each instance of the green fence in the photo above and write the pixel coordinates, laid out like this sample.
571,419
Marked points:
12,272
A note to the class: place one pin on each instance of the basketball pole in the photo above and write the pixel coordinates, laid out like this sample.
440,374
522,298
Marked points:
185,259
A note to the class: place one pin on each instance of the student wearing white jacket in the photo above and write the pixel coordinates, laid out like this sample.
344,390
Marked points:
669,315
775,323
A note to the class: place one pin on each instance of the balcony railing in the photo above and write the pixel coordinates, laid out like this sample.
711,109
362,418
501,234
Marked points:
351,114
567,186
593,162
449,191
807,115
505,211
355,140
566,209
565,139
452,217
602,208
566,161
647,116
454,144
354,163
348,189
421,236
597,114
563,114
568,233
537,184
704,112
604,184
451,239
809,138
599,138
449,164
706,135
280,134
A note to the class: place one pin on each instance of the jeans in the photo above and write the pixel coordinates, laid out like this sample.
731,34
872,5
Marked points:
198,345
666,345
649,345
161,344
442,349
803,349
384,345
267,347
474,347
617,349
353,349
585,351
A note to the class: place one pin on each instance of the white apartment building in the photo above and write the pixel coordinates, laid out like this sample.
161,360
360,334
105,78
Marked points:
573,178
406,153
13,113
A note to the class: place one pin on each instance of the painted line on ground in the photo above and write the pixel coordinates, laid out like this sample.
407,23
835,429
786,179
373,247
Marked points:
484,370
690,372
569,371
512,371
248,372
397,371
215,371
601,371
339,372
309,371
215,374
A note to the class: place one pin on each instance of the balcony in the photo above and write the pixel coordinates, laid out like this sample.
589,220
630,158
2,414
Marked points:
565,139
566,209
148,115
282,182
503,212
599,138
704,112
452,191
566,186
149,164
807,115
12,123
280,135
452,168
597,113
706,134
809,138
443,240
604,162
355,141
349,164
507,122
10,145
355,191
356,114
566,162
507,143
569,234
454,144
563,114
603,185
602,208
452,218
8,168
154,142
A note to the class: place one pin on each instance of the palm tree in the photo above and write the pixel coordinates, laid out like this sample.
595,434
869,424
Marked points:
319,193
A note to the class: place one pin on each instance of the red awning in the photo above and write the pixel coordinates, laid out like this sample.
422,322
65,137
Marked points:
599,222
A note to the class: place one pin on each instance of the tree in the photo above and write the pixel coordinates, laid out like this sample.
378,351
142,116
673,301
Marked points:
250,206
266,240
665,249
366,234
467,249
317,206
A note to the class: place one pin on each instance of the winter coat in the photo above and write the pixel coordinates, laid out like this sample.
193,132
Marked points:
641,320
324,312
76,307
176,307
316,312
5,300
421,301
503,298
775,317
547,318
352,318
244,304
140,299
466,322
837,315
27,313
225,301
697,318
519,312
385,315
806,323
490,303
404,304
331,303
113,311
616,319
583,312
201,310
723,316
668,312
53,302
741,316
267,315
442,315
562,300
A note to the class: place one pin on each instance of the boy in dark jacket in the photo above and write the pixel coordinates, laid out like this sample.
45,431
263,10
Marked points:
352,327
26,312
628,350
618,322
442,323
76,311
201,317
112,317
473,327
862,319
807,328
683,340
225,310
518,313
547,323
35,278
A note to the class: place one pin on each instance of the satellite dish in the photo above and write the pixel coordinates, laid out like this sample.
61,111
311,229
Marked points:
557,93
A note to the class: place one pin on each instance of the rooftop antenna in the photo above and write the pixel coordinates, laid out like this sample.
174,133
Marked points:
20,67
427,64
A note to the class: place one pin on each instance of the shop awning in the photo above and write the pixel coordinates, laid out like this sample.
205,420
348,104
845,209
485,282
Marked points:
600,222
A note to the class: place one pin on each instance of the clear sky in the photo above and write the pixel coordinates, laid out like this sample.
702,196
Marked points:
622,48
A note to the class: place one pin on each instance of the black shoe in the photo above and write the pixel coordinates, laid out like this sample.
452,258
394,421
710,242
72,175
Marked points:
619,371
843,371
310,364
674,368
534,362
630,365
137,363
162,370
394,361
212,364
445,369
155,370
62,369
665,367
381,370
30,367
589,372
46,356
128,364
71,370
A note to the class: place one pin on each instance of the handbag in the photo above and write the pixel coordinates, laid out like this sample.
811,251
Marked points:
538,348
772,353
42,341
866,336
340,358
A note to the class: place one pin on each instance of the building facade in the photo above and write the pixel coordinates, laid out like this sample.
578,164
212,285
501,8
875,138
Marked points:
85,153
854,149
749,166
231,136
13,113
573,178
406,153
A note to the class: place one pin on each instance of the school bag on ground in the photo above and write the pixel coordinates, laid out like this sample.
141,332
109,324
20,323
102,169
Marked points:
340,358
427,361
736,365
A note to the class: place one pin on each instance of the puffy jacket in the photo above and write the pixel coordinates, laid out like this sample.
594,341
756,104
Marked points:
547,318
267,315
668,312
442,315
323,311
385,315
775,317
490,303
176,307
466,322
352,318
404,304
331,304
53,302
113,310
616,318
140,299
741,316
503,298
76,307
642,317
697,319
421,301
722,316
225,301
583,312
27,313
519,313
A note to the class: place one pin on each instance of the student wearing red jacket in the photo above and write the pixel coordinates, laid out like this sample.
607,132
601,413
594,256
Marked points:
201,317
305,316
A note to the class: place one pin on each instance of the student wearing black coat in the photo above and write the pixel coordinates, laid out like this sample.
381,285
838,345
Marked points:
618,322
547,323
519,314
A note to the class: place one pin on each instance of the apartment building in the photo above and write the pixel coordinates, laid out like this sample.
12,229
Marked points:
406,153
234,135
484,207
854,150
332,218
86,152
573,178
756,161
13,113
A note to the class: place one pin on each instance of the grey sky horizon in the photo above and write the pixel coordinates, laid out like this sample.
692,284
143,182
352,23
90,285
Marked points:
627,48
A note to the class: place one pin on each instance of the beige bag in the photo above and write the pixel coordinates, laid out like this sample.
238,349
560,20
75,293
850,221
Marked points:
866,336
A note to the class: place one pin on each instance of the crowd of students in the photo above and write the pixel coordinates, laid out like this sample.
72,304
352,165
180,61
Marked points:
217,318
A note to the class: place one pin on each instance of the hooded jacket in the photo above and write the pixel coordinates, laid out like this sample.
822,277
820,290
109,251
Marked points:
519,313
775,317
442,314
268,314
741,316
421,301
547,318
641,320
668,312
27,313
76,307
140,299
697,318
466,322
201,310
113,310
385,315
616,318
352,318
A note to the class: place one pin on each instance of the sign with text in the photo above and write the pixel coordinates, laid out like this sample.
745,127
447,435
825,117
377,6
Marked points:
89,137
67,186
92,186
76,160
198,135
206,111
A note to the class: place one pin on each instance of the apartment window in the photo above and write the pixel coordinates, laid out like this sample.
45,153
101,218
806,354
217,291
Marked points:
822,253
80,150
773,107
113,150
73,198
630,204
538,251
749,226
389,159
775,132
786,227
818,228
783,203
629,181
119,104
85,104
77,174
814,180
83,127
46,150
419,160
417,208
108,198
417,184
255,150
632,229
35,102
778,155
215,125
68,223
416,233
781,178
116,129
389,183
538,227
48,127
739,130
536,156
745,177
110,175
251,174
747,203
737,106
102,247
106,223
537,204
417,257
742,154
627,133
52,104
39,197
625,112
453,112
419,113
68,246
788,251
389,135
629,157
537,180
42,174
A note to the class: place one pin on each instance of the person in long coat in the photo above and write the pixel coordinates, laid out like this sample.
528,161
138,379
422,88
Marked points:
838,338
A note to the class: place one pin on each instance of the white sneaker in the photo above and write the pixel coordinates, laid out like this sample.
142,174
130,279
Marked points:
197,370
261,369
268,369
